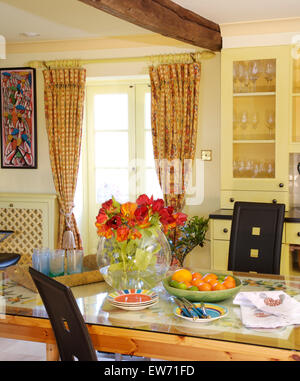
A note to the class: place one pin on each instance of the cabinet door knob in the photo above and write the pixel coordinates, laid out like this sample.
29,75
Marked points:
231,199
298,234
281,185
225,230
274,201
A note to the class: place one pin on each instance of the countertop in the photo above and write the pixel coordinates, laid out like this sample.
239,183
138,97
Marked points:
293,215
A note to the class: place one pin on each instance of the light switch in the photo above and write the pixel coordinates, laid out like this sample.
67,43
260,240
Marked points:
206,155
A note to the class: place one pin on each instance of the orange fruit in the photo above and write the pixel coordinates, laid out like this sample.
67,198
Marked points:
196,275
228,284
229,277
204,286
189,284
218,286
212,281
209,276
182,275
197,281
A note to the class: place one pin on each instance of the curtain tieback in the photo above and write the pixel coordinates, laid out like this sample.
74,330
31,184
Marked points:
68,241
67,215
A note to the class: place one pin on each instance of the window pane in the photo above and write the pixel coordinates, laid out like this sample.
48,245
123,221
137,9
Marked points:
147,111
111,111
112,182
111,149
149,156
152,184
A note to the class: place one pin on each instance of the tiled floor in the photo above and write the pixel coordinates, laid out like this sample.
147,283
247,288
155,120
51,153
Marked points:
15,350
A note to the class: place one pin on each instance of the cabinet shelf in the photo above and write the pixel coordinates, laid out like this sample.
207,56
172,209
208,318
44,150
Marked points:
261,94
254,141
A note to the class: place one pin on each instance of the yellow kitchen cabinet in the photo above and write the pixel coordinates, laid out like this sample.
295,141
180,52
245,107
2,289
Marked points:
255,119
219,258
295,102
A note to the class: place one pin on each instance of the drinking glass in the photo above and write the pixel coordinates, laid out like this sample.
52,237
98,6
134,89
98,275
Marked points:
244,119
256,169
241,75
255,119
254,72
74,261
40,260
57,262
270,120
269,72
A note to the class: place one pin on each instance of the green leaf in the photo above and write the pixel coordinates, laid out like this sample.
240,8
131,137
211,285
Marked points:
142,259
116,267
116,204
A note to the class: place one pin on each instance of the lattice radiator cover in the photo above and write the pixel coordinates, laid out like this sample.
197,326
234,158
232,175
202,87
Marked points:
27,225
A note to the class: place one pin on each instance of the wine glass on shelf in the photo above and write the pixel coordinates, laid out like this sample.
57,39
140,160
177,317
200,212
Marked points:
270,120
243,119
270,169
255,119
241,75
269,72
241,168
254,73
255,169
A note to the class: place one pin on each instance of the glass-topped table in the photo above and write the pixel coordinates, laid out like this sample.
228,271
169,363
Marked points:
156,332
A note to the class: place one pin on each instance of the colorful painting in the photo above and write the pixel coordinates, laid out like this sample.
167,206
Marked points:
18,118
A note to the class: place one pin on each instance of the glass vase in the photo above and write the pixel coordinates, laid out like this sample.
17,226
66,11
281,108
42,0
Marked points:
136,263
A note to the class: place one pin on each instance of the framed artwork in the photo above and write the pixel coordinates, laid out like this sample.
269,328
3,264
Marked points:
18,118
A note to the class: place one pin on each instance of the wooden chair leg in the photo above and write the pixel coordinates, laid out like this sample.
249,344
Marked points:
52,353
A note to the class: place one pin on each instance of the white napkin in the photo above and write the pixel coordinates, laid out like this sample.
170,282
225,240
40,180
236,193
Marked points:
268,309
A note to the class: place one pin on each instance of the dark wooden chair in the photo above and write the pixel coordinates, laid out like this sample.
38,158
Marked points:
7,259
256,237
72,337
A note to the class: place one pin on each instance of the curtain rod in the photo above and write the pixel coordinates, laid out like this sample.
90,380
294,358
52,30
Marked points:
156,59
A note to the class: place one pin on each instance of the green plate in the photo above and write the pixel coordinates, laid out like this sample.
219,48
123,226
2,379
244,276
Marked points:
203,296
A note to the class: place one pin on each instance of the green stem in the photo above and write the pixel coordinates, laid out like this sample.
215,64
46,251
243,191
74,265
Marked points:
124,260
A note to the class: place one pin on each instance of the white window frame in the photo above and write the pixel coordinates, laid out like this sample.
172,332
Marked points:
137,88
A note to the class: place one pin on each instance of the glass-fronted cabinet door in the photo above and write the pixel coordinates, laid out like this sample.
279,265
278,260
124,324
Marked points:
254,119
295,138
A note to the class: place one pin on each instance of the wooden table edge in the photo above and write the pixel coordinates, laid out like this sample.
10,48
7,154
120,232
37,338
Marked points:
133,342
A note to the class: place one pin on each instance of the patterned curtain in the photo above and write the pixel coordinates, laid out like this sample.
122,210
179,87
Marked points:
174,121
174,114
64,99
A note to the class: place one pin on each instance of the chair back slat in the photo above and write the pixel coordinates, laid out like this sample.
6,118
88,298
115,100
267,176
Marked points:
72,337
256,237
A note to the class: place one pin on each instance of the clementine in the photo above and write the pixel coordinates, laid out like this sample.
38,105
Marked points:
197,281
204,286
209,276
218,286
229,277
196,275
228,284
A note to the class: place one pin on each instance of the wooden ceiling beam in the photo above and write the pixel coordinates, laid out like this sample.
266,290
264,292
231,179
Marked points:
164,17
